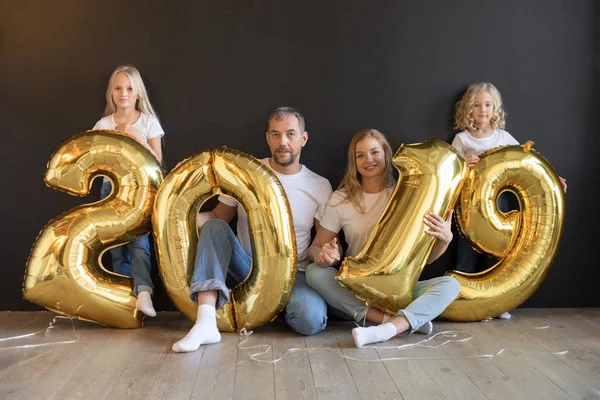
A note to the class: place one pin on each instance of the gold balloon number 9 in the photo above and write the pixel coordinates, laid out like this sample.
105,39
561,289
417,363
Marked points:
525,241
63,272
265,292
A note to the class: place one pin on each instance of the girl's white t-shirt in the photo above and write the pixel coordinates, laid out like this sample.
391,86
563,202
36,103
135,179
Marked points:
145,128
357,227
463,142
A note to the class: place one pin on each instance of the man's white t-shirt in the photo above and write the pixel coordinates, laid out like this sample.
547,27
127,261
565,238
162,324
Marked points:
307,194
357,227
463,142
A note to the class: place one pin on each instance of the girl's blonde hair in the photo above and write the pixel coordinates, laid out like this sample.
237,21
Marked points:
351,184
464,107
142,103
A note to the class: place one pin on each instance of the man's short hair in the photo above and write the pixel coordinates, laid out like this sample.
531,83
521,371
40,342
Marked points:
281,113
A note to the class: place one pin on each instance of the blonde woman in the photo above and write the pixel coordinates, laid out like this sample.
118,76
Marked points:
354,208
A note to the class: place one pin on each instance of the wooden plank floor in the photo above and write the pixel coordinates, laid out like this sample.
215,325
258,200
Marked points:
139,364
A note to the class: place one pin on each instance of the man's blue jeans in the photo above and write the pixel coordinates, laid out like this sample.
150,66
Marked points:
221,261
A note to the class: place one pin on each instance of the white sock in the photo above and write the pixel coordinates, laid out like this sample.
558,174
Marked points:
144,304
505,315
204,331
426,328
373,334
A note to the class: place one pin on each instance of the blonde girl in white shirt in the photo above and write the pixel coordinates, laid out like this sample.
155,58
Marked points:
129,110
481,117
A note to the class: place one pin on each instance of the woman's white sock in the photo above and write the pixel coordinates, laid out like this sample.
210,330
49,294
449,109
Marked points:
373,334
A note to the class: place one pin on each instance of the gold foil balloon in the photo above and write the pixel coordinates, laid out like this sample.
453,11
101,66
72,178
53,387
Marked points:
266,291
64,272
388,267
525,240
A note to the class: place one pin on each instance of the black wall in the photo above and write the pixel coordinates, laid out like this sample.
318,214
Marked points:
215,69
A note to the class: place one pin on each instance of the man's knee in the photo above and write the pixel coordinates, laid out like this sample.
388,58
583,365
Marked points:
215,227
304,318
215,231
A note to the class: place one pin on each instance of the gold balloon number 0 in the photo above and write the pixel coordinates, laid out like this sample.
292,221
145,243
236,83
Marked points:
265,292
431,176
63,272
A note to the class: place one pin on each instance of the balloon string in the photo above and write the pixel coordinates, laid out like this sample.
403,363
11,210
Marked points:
45,332
545,326
364,320
452,336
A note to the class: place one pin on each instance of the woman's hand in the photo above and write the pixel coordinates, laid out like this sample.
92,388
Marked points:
329,255
438,227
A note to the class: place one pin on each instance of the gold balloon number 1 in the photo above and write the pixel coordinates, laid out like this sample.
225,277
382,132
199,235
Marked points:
63,271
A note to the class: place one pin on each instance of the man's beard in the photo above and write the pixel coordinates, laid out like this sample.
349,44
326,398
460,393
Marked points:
287,163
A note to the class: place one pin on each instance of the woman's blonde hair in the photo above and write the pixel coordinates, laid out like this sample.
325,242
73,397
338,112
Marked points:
464,107
351,184
142,103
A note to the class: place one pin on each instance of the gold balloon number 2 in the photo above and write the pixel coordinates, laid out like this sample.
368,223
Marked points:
431,176
63,271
